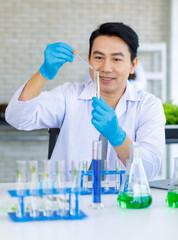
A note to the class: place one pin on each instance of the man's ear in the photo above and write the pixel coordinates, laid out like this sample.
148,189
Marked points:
88,58
134,64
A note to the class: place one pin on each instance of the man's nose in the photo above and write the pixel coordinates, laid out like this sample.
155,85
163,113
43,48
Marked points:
106,66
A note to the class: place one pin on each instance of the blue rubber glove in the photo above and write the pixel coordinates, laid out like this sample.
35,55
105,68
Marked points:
55,56
106,122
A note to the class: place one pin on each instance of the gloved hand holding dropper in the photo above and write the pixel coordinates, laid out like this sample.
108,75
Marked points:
55,56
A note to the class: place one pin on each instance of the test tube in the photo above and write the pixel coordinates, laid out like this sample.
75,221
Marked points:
47,188
85,177
61,187
97,82
117,176
21,187
106,181
97,153
75,189
34,188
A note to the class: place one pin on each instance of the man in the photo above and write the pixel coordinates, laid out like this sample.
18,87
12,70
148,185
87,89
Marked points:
122,116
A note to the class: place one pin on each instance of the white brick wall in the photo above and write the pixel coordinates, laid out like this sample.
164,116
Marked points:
26,27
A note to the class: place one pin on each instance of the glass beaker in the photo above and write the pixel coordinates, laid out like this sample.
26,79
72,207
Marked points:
172,195
135,191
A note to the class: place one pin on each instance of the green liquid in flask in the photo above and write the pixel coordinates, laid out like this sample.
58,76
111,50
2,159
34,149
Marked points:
128,200
172,199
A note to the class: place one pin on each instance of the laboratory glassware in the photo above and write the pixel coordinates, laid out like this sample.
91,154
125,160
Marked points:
34,188
172,195
47,188
85,177
135,191
75,187
97,82
61,188
106,177
76,54
96,74
21,187
96,168
117,176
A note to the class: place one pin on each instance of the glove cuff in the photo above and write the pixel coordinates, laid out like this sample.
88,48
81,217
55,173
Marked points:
45,73
118,138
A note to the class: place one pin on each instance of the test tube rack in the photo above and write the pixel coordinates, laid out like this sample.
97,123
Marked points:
110,190
25,215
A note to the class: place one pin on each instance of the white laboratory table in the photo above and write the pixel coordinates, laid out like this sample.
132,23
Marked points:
156,222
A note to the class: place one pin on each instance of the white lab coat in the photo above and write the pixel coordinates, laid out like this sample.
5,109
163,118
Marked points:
68,107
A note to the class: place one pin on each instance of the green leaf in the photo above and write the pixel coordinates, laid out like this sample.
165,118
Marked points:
171,113
75,172
19,173
33,170
45,175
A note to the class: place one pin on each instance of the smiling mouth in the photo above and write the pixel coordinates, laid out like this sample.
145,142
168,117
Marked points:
106,79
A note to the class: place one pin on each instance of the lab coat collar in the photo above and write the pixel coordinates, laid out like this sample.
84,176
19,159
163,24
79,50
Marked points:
131,93
88,92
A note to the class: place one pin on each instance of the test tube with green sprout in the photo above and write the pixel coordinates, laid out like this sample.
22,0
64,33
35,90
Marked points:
97,82
85,177
61,187
21,187
106,181
117,176
34,188
75,189
47,188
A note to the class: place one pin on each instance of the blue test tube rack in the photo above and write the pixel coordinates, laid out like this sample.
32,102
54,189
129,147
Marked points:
25,215
111,190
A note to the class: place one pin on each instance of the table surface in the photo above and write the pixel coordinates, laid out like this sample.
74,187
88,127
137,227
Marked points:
155,222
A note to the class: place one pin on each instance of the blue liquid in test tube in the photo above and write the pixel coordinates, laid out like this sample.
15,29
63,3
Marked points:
96,181
96,165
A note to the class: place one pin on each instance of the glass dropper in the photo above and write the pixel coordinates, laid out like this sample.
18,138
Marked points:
96,74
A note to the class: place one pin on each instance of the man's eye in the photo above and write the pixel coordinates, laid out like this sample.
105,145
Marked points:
117,59
98,58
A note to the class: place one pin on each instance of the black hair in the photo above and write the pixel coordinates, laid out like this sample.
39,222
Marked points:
118,29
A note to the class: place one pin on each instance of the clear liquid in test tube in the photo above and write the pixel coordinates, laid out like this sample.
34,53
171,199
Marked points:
97,82
106,181
61,188
21,187
75,188
47,188
117,176
34,188
85,177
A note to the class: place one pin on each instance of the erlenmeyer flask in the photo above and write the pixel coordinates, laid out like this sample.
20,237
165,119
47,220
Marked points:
172,196
135,191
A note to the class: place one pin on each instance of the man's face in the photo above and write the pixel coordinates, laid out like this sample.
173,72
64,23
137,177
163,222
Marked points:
110,56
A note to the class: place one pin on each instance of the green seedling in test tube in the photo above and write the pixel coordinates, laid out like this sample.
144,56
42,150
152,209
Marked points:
97,81
45,175
19,174
84,166
117,177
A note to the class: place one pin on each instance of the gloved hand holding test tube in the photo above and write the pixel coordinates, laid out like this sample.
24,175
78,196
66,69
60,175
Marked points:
96,74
